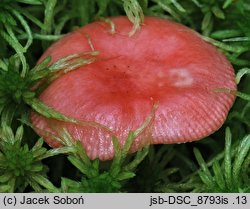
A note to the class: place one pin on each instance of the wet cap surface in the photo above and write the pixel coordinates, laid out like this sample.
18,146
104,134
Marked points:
164,63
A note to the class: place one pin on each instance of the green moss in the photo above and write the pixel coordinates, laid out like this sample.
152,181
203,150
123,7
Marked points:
164,168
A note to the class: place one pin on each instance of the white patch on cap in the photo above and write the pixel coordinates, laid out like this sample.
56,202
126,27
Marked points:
181,77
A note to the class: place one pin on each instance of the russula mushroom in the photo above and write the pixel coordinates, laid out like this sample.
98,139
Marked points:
164,62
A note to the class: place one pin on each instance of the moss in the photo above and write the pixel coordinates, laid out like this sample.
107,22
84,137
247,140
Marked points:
192,167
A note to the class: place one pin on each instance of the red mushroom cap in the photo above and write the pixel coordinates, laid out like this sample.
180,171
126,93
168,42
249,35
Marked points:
165,63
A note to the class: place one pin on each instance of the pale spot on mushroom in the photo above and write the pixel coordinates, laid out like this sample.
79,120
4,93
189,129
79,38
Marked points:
181,77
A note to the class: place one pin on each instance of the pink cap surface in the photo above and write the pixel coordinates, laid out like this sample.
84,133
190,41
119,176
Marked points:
165,63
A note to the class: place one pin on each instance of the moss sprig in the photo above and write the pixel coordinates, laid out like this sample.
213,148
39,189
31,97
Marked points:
155,170
226,172
227,177
112,179
17,92
134,13
21,166
11,16
223,23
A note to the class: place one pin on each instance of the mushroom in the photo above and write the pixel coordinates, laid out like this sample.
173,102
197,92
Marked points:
164,62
